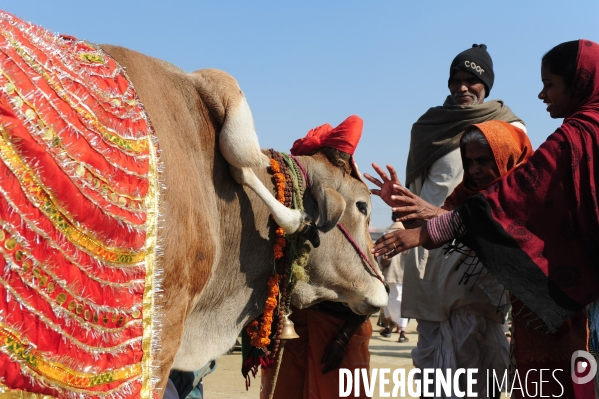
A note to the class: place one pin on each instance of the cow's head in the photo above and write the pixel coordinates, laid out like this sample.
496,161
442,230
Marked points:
336,270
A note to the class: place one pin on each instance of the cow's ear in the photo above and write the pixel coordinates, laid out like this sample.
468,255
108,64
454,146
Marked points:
331,206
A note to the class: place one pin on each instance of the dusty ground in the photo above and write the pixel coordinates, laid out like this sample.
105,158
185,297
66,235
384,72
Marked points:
226,381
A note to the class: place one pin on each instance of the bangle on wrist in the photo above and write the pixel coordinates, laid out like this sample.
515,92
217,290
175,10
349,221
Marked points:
341,343
346,337
343,338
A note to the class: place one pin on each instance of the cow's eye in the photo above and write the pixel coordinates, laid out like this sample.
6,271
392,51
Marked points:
362,207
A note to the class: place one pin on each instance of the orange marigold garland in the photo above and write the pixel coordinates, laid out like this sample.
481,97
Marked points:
260,334
279,180
280,243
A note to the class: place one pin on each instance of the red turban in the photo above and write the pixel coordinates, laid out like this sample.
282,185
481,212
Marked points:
344,137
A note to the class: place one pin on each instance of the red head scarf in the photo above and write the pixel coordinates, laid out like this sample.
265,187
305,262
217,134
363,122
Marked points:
585,87
511,148
344,137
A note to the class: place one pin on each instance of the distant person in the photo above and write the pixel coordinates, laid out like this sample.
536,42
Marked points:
456,326
188,384
393,270
537,230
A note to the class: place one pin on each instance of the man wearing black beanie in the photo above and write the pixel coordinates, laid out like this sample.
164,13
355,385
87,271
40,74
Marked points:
458,327
477,62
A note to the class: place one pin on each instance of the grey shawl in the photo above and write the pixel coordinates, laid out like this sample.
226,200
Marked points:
439,130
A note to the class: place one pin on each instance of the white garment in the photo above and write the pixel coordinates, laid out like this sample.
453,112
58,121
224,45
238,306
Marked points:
432,287
458,327
463,341
393,308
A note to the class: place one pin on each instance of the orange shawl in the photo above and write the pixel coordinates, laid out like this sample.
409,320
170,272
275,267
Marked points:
511,148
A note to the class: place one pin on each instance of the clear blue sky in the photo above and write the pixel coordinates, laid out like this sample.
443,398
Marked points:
302,64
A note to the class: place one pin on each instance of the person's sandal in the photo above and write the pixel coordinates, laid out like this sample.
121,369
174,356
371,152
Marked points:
402,337
386,332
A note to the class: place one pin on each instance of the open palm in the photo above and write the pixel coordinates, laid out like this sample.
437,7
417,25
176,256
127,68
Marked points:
385,185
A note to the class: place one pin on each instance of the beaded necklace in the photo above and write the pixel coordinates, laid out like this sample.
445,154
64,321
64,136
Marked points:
289,254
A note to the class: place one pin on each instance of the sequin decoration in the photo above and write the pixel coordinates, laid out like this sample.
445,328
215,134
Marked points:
78,221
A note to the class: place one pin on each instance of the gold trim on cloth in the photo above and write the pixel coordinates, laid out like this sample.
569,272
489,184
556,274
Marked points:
150,333
131,284
58,373
127,144
45,133
7,393
41,197
118,348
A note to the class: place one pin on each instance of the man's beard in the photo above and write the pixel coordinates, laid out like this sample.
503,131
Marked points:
475,101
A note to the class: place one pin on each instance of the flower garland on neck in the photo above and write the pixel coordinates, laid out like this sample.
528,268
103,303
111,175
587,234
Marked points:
259,333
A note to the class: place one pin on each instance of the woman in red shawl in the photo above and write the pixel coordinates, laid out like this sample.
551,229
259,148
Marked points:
537,230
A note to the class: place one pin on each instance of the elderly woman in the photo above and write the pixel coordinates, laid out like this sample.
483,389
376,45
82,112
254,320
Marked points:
489,150
537,230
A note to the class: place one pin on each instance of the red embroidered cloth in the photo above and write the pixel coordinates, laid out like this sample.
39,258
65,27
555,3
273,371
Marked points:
78,207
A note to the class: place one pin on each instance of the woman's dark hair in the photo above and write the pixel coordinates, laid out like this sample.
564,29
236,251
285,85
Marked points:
562,60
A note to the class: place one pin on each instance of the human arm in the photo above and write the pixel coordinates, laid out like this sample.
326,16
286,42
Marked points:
394,194
385,185
436,232
334,352
414,208
398,241
438,183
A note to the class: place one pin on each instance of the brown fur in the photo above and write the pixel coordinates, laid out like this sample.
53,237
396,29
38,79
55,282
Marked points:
338,158
217,236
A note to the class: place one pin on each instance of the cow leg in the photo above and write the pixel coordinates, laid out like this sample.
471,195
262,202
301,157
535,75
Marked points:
289,219
238,142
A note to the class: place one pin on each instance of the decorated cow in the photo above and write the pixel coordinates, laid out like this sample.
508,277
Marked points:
141,226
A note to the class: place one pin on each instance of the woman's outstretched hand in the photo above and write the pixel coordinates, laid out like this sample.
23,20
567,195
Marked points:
406,204
413,207
398,241
385,185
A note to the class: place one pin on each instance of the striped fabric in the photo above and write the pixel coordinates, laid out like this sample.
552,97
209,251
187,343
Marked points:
446,227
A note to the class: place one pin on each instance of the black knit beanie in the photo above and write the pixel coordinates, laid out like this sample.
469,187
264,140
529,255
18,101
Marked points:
477,61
